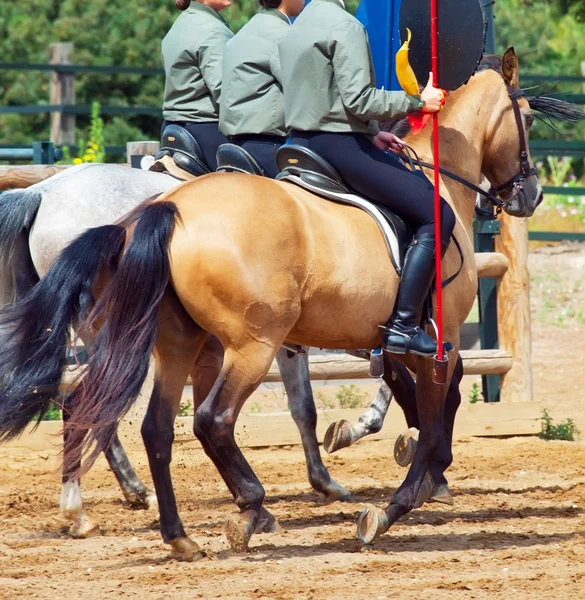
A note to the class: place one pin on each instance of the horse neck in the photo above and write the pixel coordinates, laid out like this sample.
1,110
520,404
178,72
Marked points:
462,133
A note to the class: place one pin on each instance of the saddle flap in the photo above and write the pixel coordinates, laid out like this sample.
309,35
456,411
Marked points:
184,149
402,230
309,166
306,168
232,158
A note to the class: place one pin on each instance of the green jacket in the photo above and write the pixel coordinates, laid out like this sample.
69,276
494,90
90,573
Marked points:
251,99
192,56
328,75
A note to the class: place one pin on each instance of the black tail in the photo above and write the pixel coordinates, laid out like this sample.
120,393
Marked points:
18,209
34,355
120,353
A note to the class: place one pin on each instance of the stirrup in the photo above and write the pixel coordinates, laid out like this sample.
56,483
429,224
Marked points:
406,348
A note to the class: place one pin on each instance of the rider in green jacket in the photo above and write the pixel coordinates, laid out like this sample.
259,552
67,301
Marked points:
252,103
192,56
332,106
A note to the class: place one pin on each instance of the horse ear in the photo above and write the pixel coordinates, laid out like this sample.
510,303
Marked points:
510,67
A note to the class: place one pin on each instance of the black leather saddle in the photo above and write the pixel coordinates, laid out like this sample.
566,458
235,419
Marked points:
184,149
304,167
234,159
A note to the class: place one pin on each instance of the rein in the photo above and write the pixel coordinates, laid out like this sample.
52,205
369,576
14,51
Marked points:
513,185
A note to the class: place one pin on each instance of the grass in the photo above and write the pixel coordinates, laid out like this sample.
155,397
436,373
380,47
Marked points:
186,409
475,394
53,414
350,397
567,430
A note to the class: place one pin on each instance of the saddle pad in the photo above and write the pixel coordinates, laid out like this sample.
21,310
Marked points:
396,247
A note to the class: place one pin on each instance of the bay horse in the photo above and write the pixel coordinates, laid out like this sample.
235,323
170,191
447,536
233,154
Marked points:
36,223
256,263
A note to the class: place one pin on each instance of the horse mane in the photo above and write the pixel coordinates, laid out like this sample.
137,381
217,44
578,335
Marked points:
548,106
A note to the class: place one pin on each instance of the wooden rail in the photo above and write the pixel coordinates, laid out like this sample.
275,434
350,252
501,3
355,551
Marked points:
331,367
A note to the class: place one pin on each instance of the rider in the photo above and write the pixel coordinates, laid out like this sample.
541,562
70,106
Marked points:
252,104
192,56
331,107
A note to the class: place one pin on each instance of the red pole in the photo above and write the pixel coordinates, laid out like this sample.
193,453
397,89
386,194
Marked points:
434,57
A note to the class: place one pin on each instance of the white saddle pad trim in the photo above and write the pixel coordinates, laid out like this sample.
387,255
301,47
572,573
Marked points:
359,202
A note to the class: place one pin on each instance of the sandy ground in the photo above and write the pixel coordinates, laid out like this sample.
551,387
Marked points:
517,528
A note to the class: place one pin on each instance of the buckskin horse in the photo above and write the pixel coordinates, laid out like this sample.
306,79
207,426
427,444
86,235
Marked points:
257,263
35,225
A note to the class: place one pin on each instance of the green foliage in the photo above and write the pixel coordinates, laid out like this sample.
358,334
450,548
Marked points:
549,41
185,409
53,414
546,34
350,397
255,408
325,402
474,394
92,151
567,430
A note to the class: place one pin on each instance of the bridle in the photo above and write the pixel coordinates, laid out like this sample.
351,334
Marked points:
500,196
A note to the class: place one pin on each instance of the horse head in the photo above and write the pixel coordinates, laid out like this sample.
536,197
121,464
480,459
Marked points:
515,181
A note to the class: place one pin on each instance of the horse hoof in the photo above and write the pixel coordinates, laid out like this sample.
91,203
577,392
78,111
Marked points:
338,435
372,523
334,492
405,447
267,523
443,495
143,501
184,548
150,501
238,531
427,489
84,528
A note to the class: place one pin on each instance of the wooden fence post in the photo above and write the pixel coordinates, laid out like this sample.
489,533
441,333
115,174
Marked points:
514,309
138,150
62,91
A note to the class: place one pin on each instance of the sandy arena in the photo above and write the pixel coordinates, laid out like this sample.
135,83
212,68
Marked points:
517,529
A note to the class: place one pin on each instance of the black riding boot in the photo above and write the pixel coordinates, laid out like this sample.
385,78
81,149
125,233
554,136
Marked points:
403,333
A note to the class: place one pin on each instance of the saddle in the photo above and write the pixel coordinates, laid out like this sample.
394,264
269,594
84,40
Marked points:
305,168
180,155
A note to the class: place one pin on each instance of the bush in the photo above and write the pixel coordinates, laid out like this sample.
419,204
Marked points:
567,430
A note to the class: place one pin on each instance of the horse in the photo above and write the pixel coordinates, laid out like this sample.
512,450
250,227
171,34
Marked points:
36,224
257,263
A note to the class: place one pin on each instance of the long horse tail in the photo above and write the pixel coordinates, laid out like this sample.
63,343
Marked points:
34,355
128,312
18,209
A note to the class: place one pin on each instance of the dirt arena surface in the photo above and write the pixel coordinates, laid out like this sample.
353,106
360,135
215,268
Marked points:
517,529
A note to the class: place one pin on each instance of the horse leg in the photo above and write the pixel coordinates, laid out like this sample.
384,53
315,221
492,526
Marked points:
243,370
403,389
206,370
430,400
71,502
343,434
137,494
175,355
444,455
397,382
297,383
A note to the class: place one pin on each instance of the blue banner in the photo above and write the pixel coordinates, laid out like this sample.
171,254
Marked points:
380,17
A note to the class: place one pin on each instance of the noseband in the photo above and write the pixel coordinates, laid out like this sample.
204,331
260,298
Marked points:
502,195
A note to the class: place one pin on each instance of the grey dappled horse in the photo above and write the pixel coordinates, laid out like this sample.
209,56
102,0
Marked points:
37,223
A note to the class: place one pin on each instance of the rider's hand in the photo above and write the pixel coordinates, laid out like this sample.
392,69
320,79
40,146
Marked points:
388,141
433,97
